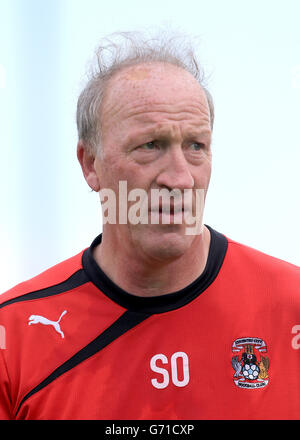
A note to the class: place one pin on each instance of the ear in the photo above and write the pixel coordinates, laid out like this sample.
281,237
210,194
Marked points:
87,162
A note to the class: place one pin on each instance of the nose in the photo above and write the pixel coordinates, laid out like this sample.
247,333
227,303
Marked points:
175,171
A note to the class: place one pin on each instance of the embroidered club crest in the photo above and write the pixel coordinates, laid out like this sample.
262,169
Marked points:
250,365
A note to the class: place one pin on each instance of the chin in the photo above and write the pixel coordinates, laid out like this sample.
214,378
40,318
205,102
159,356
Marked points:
167,244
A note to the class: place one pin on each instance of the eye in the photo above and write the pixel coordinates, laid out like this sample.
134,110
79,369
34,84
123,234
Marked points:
196,146
148,146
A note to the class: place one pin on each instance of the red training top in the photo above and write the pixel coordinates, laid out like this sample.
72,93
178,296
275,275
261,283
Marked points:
74,345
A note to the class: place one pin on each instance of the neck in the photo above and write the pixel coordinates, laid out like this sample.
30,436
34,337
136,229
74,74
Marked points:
166,276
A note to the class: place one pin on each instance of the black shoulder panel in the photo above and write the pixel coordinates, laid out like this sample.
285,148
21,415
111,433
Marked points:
75,280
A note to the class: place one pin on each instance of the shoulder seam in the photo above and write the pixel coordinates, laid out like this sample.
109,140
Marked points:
263,253
77,279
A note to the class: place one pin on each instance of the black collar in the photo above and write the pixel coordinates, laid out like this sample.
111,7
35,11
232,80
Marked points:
163,303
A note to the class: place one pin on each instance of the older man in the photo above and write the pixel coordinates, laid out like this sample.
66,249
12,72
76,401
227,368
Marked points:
152,322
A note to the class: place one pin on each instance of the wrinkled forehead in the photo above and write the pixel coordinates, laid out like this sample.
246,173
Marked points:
150,85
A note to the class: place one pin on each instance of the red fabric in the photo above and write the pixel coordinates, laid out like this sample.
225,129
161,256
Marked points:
253,296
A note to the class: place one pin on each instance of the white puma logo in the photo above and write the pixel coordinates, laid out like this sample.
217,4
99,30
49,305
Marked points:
36,319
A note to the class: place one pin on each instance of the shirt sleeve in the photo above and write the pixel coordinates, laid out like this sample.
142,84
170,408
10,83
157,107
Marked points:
5,401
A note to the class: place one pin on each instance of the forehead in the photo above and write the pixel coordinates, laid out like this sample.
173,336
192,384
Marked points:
152,88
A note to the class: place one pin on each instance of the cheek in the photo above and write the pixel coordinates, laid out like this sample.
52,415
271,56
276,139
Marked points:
137,177
123,170
208,173
202,176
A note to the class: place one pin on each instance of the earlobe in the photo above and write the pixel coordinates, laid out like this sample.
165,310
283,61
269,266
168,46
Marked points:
87,163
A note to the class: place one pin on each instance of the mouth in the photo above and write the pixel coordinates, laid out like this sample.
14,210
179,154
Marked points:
168,214
172,210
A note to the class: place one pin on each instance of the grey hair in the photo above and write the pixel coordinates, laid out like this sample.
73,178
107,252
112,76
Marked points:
121,50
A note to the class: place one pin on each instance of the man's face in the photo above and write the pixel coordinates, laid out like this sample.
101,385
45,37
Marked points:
155,134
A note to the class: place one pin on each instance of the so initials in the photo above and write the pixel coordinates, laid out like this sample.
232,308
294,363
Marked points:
177,369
